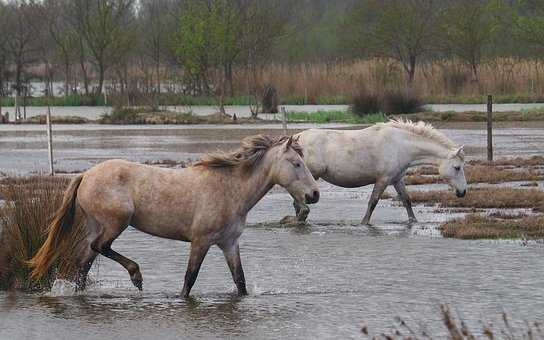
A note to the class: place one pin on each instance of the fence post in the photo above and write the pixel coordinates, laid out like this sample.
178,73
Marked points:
49,139
489,128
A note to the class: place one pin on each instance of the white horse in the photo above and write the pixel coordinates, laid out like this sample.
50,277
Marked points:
380,155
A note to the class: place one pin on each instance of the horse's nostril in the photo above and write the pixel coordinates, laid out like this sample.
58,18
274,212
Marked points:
313,198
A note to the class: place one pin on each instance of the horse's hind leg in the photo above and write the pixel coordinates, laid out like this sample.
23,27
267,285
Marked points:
400,187
102,245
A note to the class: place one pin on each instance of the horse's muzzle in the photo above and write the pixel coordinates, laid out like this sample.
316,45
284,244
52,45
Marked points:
313,198
460,193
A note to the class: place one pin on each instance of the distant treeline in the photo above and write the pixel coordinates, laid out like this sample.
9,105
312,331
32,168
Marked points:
308,49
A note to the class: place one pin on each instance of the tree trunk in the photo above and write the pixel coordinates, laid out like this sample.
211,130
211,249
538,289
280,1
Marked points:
66,78
474,68
412,70
83,68
100,78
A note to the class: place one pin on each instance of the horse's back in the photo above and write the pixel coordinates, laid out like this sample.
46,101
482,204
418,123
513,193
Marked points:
149,198
347,158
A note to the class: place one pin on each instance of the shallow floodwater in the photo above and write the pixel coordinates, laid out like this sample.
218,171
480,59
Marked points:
322,281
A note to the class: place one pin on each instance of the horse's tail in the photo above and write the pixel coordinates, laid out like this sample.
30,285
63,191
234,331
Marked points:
58,230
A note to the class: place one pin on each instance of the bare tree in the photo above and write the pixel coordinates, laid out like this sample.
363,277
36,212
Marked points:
468,27
405,30
62,34
22,42
105,28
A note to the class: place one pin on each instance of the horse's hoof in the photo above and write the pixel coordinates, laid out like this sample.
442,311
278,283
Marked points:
366,223
289,220
412,221
138,283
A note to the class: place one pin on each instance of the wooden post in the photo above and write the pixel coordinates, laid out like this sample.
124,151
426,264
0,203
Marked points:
50,139
490,128
48,121
284,120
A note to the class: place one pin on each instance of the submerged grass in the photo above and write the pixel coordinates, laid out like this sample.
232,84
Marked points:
451,116
483,198
457,329
30,202
476,174
497,226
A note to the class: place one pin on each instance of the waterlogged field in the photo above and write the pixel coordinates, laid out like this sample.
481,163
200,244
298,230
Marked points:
324,280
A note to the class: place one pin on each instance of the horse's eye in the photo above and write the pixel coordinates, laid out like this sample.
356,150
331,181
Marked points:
457,168
297,165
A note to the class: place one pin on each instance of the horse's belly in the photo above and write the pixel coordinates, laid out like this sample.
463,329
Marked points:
165,226
352,181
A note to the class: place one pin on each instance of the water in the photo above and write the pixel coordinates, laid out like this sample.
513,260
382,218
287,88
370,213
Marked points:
322,281
23,148
93,112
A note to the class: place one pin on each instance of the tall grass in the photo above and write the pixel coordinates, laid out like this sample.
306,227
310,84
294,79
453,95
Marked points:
442,81
72,100
439,81
29,204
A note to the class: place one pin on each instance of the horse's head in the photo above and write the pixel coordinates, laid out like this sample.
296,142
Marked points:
290,172
451,169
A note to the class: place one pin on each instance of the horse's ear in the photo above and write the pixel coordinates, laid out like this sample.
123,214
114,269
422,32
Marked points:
289,143
460,152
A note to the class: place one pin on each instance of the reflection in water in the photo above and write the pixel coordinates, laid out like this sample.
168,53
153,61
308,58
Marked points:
318,281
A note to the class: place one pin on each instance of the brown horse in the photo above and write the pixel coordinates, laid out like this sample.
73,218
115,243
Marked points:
204,204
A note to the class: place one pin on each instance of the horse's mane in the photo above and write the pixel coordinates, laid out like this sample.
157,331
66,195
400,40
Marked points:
251,152
422,129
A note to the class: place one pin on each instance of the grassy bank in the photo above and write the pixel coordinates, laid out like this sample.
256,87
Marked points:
334,117
497,226
29,205
136,116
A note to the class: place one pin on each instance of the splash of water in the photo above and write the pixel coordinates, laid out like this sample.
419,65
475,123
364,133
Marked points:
62,288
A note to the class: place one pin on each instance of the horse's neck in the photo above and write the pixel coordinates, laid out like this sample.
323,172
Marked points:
253,187
425,152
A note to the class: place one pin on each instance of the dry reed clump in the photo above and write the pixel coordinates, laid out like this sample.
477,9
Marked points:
457,329
483,198
390,101
476,174
30,202
497,226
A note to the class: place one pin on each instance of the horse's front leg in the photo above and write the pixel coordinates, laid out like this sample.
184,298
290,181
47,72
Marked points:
301,214
198,252
302,211
231,250
379,188
400,187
